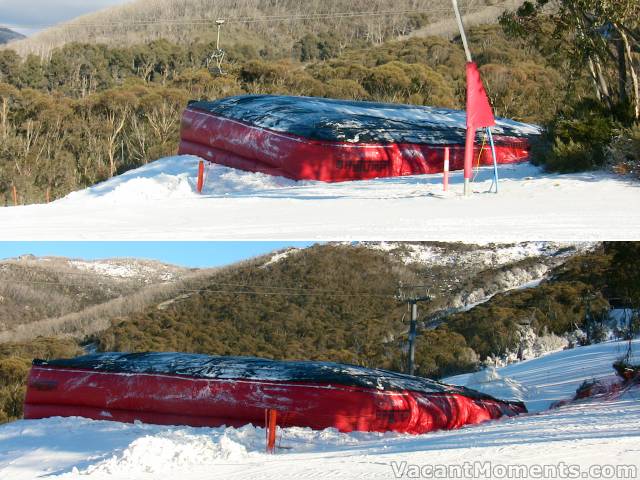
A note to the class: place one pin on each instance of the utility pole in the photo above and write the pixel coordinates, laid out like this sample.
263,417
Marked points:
413,330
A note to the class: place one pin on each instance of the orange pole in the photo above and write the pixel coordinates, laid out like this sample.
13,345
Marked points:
271,431
15,195
445,177
200,176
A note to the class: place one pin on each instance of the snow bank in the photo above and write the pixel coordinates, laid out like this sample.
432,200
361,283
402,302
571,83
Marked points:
175,178
491,382
170,450
158,202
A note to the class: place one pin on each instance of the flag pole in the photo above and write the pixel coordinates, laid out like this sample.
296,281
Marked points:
495,158
470,140
462,33
471,122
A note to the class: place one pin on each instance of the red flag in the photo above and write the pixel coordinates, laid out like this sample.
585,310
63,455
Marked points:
479,112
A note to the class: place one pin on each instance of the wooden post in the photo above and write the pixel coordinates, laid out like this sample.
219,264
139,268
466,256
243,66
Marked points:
48,195
271,430
200,176
14,191
445,177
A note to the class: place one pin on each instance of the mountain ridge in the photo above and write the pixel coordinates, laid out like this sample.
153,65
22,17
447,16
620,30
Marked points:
7,35
124,287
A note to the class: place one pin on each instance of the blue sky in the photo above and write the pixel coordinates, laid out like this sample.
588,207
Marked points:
28,16
188,254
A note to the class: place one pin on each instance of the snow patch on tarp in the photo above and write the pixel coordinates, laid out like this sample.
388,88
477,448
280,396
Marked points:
259,369
352,121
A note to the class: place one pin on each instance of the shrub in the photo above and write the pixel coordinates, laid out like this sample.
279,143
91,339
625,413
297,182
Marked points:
623,154
577,140
15,361
441,353
626,370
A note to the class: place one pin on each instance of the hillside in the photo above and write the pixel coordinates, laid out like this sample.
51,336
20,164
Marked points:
337,302
52,296
38,291
476,13
498,303
7,35
258,23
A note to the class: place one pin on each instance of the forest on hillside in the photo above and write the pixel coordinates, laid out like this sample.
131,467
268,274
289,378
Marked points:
347,320
7,35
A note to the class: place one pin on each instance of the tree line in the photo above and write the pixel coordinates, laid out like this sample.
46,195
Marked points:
596,40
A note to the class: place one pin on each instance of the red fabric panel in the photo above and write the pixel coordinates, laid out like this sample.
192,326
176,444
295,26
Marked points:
246,147
167,399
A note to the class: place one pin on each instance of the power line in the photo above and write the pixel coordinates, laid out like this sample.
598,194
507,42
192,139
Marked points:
261,19
188,278
267,290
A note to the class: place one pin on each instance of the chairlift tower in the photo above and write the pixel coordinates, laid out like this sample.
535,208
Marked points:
412,303
218,54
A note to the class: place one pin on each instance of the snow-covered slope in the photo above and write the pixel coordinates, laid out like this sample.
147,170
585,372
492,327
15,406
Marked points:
583,434
143,270
158,201
548,379
477,257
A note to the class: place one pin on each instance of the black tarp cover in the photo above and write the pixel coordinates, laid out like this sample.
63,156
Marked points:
250,368
353,121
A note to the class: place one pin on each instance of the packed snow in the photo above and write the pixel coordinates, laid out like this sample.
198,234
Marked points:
587,435
158,201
